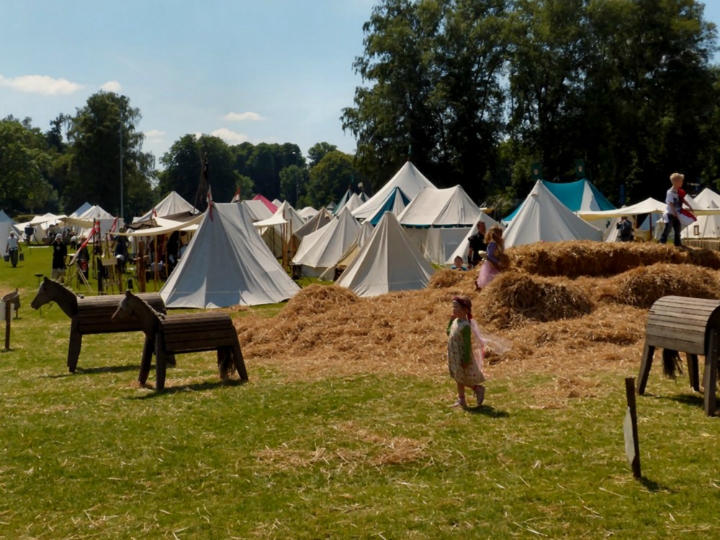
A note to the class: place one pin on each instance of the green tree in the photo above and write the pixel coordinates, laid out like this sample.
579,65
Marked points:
330,178
24,160
293,183
99,132
183,167
318,151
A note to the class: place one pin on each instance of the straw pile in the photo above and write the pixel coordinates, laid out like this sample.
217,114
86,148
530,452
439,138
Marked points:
558,324
572,259
514,297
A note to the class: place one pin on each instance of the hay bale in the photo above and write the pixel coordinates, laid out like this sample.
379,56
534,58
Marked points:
514,297
442,279
316,299
642,287
586,258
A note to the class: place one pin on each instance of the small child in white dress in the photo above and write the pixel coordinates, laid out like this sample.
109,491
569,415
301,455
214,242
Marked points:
464,360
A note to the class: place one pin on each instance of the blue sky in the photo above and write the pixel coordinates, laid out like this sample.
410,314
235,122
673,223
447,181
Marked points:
261,70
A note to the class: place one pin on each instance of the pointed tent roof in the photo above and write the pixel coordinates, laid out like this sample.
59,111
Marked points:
6,226
462,249
257,209
450,207
353,203
285,213
171,205
226,264
579,196
543,218
322,218
705,197
307,212
4,218
387,262
362,237
266,202
395,203
706,226
96,212
277,202
325,247
343,201
84,207
363,197
408,178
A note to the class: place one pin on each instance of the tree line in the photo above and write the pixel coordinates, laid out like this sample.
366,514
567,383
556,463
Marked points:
79,158
475,91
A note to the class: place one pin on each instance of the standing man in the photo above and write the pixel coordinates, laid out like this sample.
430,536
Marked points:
11,248
626,229
58,259
671,217
476,245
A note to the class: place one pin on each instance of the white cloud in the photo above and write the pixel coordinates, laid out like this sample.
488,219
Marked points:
153,133
41,84
230,136
242,117
111,86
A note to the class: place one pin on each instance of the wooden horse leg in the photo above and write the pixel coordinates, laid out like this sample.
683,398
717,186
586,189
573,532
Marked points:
74,346
645,366
223,360
148,349
693,371
159,361
710,375
239,362
170,359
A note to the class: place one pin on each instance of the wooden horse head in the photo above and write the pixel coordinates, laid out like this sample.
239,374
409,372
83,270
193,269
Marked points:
52,291
133,305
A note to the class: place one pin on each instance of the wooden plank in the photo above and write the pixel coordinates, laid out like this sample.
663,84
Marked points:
74,346
197,348
690,318
645,365
679,336
683,309
678,324
686,300
710,377
675,345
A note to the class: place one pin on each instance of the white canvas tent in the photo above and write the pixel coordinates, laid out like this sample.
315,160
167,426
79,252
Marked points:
307,213
705,226
387,262
318,221
543,218
171,205
361,238
226,264
322,249
438,220
408,178
7,225
257,210
80,211
705,197
280,228
462,248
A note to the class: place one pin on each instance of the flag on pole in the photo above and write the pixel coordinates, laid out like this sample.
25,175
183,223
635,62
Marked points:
236,197
114,226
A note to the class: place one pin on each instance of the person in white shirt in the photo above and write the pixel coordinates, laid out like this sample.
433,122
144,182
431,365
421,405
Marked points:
11,248
671,217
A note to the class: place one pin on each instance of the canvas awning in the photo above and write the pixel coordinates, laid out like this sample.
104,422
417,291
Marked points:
167,226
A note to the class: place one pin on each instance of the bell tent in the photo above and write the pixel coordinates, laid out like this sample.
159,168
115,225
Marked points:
226,264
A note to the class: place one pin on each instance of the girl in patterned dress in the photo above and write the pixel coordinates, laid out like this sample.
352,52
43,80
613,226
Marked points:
464,360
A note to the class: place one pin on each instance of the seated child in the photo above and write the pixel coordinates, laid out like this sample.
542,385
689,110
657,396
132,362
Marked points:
458,265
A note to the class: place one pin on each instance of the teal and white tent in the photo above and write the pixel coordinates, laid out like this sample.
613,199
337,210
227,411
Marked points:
579,196
395,203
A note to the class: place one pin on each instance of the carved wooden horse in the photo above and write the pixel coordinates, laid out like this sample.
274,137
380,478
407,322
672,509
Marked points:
89,315
182,334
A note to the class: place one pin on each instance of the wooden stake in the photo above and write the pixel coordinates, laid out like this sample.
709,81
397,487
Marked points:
633,431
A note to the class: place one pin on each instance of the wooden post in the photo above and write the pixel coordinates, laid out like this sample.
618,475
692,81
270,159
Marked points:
693,371
632,412
710,375
146,359
8,317
645,365
159,361
75,344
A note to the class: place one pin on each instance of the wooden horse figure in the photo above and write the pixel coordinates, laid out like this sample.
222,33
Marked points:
182,334
89,315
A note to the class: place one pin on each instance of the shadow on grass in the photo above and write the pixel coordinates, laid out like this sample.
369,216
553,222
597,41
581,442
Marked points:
92,371
487,410
195,387
653,486
696,400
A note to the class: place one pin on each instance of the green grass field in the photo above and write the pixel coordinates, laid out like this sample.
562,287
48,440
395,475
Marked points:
91,455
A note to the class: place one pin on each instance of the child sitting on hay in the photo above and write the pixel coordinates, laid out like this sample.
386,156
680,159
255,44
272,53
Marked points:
465,357
496,260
